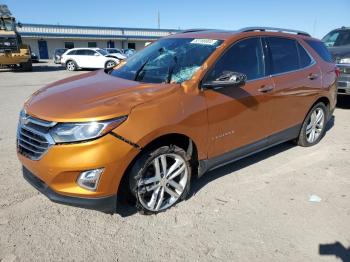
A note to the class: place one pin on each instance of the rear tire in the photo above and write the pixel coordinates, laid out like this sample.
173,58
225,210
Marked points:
314,126
160,179
26,66
71,65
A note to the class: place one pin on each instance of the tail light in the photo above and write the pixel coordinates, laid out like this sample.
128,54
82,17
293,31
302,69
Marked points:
337,71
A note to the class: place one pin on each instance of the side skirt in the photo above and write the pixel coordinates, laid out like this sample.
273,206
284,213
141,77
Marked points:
250,149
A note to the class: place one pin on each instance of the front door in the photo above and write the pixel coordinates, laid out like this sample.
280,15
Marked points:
239,116
43,52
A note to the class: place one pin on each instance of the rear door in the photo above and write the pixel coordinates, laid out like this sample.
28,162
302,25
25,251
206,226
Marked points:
239,116
79,57
297,80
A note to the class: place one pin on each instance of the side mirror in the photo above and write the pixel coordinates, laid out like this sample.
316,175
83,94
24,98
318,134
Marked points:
96,54
230,79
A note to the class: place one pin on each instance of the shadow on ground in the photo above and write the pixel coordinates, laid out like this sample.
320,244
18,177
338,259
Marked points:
336,249
343,102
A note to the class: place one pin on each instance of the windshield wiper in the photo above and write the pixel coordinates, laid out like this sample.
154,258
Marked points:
141,69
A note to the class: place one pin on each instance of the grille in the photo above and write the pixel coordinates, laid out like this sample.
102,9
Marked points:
33,138
8,44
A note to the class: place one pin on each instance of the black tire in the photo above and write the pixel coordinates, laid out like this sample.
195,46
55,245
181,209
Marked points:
302,140
141,169
107,66
26,66
71,65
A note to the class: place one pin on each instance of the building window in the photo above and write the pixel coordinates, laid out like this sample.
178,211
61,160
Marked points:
68,45
131,45
92,44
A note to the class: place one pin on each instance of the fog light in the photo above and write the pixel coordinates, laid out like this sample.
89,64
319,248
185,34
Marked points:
89,179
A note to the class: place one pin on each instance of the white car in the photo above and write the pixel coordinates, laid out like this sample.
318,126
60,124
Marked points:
76,58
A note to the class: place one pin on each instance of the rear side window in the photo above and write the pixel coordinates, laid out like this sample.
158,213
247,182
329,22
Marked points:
72,52
320,49
80,52
245,57
304,58
283,55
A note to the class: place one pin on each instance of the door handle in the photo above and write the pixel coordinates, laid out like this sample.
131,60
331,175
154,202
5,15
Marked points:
265,89
312,76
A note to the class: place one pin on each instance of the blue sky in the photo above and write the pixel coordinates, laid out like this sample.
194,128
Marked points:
315,17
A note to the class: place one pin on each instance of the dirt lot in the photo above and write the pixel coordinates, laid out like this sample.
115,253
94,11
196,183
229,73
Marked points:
257,209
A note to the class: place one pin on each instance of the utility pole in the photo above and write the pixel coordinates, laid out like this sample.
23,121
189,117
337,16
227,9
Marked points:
158,20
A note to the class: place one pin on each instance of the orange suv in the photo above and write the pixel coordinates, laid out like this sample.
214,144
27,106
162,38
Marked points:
186,104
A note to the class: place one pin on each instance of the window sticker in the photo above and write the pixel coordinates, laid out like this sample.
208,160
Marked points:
204,41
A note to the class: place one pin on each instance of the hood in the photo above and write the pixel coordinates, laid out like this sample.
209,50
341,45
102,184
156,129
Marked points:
339,51
116,55
92,96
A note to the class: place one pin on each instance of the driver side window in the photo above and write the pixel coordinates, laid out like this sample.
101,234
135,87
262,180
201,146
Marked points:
245,56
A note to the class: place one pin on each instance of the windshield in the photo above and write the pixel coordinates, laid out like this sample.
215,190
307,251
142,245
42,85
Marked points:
337,38
102,52
169,60
112,51
6,24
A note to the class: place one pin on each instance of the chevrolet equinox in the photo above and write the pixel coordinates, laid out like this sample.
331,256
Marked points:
186,104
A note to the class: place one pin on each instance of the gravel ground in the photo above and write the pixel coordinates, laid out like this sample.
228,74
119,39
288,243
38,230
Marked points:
257,209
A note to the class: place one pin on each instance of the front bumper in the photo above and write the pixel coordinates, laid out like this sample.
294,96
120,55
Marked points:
344,79
104,204
55,174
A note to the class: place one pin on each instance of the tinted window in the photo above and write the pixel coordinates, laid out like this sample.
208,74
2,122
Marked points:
80,52
320,49
284,54
304,58
89,52
243,57
71,52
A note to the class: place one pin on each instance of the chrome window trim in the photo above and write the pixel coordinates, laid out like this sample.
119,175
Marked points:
312,63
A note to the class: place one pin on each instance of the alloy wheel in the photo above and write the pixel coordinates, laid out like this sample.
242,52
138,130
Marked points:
163,182
315,125
71,66
110,64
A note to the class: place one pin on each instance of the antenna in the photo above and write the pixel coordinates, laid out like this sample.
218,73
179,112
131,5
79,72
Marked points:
158,19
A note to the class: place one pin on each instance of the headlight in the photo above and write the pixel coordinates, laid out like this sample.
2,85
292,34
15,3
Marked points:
344,60
74,132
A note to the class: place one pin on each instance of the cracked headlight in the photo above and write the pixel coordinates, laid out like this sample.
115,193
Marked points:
75,132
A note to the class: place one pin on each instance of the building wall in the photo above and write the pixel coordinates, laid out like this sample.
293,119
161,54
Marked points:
52,44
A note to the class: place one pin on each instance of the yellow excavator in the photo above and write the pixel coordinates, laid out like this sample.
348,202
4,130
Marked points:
13,53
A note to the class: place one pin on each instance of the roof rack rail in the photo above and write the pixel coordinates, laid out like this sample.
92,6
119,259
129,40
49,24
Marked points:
257,28
193,30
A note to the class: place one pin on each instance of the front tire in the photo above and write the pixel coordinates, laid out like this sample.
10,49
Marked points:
110,64
314,126
160,179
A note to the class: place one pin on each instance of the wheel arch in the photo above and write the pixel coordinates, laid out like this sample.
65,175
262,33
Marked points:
325,100
177,139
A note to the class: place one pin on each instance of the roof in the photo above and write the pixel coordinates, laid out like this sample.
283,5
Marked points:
92,32
227,34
